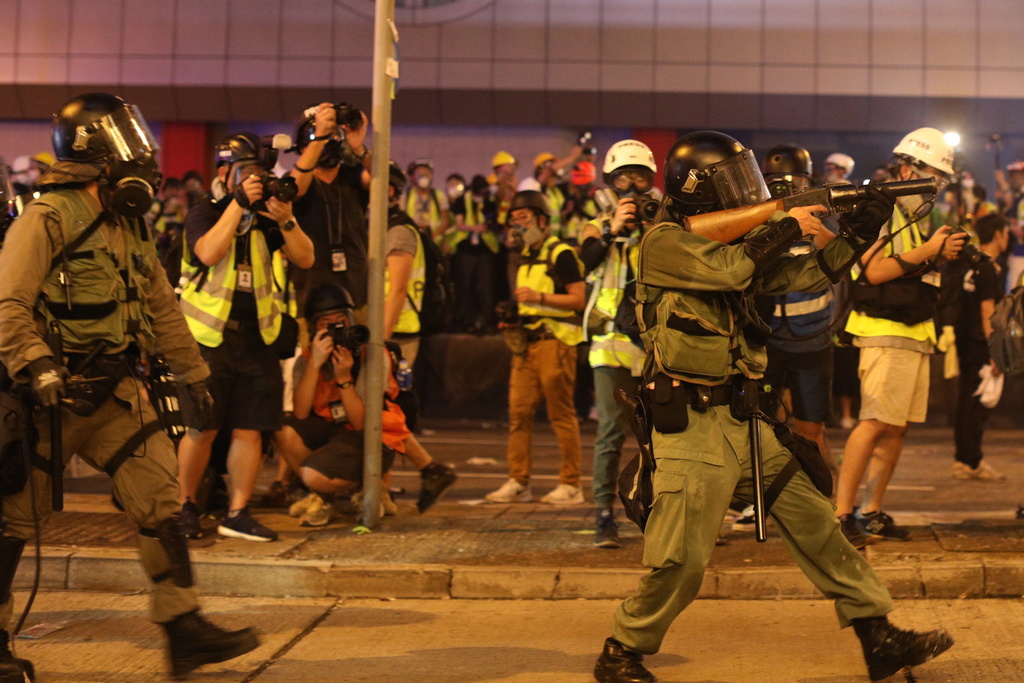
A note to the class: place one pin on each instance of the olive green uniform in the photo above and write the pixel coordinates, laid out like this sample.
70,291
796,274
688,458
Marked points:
145,318
694,301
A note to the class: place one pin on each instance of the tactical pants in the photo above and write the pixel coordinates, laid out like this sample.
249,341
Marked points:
699,470
146,484
547,370
612,426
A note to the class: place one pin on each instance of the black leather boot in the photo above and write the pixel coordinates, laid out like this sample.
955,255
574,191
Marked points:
619,665
193,641
12,669
888,649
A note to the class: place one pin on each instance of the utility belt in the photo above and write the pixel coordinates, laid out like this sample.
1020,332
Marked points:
95,375
669,399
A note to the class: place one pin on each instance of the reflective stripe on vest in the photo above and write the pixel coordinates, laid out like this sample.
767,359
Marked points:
861,325
408,318
534,274
207,310
475,216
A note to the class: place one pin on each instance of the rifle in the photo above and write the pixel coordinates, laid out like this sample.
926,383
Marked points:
732,224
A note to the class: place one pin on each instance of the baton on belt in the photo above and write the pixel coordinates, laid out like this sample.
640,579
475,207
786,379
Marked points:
752,408
53,340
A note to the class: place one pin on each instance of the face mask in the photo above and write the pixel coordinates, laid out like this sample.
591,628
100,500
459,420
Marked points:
423,182
532,236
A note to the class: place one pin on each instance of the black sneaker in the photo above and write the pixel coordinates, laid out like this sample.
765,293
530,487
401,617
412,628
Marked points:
606,534
437,479
877,524
243,526
854,533
619,665
190,520
13,668
888,649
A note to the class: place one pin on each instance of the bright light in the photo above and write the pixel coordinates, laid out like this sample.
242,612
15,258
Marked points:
952,139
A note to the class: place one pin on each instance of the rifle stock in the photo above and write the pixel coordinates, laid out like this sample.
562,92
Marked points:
731,224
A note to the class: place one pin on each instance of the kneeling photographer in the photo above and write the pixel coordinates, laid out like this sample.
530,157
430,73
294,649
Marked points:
323,440
234,307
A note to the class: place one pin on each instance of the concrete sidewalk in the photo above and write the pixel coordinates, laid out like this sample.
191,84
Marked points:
966,542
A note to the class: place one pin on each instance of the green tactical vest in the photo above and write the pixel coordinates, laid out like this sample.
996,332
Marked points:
92,294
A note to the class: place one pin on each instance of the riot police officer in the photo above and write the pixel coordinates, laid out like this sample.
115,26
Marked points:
706,355
81,261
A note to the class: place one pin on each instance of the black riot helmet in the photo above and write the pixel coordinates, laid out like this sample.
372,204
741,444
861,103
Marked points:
787,170
237,147
530,199
98,128
707,171
324,299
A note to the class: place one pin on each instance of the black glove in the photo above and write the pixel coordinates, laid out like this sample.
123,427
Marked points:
202,406
870,214
47,381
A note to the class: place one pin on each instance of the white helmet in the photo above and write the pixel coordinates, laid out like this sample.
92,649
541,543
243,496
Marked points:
928,146
843,161
629,153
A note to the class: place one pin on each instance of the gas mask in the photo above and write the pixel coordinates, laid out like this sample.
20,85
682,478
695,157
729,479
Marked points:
133,185
133,173
331,155
423,182
530,237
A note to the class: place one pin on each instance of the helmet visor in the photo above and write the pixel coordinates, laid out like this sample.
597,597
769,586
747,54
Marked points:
128,134
738,181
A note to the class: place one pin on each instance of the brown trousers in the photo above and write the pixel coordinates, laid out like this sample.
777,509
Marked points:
547,370
146,484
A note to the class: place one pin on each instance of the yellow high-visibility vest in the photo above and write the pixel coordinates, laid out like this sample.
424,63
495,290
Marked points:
534,273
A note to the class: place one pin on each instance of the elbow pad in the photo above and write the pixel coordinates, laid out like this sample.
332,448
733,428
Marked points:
766,247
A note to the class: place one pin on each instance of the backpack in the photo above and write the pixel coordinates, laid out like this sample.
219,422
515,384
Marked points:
438,305
1006,345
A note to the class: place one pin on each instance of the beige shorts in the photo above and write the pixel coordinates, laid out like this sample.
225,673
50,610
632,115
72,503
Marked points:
893,385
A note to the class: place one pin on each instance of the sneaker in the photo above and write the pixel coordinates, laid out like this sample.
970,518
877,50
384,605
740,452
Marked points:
243,526
745,522
276,496
851,528
437,479
888,649
606,534
877,524
511,492
564,494
983,472
317,514
190,520
299,508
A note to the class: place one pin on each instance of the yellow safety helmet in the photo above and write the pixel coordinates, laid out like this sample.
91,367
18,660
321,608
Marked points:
502,158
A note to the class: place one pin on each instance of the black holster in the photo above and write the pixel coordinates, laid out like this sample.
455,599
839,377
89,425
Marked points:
172,539
636,482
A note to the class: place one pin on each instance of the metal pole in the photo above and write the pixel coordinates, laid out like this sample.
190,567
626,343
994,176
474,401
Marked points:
374,378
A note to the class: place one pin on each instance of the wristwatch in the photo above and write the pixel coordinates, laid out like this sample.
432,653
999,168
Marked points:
288,225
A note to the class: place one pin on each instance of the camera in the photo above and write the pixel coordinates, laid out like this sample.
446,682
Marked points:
345,113
646,207
349,336
969,253
282,189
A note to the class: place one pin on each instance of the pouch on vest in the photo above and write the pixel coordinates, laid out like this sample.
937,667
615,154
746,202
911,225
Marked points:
808,455
668,406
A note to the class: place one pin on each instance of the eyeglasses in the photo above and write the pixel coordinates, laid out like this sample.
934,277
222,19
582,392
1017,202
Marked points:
642,179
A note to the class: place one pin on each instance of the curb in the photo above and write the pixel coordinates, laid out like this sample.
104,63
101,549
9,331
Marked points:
118,570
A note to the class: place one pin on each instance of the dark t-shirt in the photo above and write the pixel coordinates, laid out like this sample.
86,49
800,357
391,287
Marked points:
198,222
976,285
334,216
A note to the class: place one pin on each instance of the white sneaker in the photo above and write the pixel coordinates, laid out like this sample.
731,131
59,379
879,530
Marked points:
983,472
298,508
745,522
317,514
564,494
511,492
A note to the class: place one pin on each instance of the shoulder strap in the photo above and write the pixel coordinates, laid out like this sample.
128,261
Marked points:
74,244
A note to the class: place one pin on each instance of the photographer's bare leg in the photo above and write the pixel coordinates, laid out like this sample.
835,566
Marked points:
243,465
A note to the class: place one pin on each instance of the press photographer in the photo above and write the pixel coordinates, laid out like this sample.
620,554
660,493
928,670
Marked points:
323,440
233,304
333,180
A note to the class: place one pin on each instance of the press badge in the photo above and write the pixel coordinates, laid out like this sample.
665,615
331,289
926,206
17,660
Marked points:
338,261
338,413
244,278
933,278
